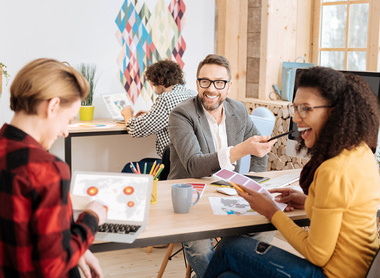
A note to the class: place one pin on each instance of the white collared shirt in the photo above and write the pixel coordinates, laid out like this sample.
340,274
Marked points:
219,138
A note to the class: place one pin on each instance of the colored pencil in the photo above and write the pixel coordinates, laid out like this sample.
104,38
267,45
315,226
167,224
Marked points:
133,168
153,166
159,171
156,169
138,168
145,167
236,186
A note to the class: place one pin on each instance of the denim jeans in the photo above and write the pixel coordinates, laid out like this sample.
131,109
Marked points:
199,252
247,257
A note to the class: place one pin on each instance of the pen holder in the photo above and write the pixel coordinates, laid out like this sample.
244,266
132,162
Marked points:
153,200
86,113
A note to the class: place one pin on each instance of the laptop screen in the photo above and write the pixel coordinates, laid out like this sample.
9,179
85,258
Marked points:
125,195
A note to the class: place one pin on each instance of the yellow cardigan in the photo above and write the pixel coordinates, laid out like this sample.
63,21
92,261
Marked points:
342,204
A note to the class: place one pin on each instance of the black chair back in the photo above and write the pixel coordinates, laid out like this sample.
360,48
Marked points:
374,268
166,162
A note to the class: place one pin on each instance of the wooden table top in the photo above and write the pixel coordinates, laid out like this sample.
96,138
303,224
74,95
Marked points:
165,226
96,125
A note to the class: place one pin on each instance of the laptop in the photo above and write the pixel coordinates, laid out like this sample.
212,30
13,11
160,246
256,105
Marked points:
281,181
115,103
126,196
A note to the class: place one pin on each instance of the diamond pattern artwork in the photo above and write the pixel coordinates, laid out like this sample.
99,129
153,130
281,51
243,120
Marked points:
147,35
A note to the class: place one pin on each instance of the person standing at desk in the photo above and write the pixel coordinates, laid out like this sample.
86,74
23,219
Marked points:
338,119
211,132
167,79
38,236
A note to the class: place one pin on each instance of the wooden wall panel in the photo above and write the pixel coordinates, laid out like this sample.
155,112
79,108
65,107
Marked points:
232,41
286,34
257,36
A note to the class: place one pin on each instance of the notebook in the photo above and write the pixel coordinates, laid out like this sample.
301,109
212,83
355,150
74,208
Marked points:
115,103
126,196
281,181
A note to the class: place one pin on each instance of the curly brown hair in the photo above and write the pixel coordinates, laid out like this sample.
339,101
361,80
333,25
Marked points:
166,73
354,118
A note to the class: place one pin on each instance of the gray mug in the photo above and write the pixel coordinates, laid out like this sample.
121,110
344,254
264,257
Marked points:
182,195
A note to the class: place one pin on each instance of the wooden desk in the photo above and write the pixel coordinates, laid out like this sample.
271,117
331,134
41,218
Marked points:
78,131
164,226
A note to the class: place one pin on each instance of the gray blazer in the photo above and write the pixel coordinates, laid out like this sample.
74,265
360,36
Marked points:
192,151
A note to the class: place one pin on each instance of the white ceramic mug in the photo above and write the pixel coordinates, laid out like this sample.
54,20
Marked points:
182,195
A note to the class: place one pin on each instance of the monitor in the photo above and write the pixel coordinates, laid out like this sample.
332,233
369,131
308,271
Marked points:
373,80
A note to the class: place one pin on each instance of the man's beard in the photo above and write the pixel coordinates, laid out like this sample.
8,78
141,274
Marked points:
211,107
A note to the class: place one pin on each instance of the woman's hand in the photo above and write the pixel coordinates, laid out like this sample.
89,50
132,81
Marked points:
90,266
262,203
294,198
99,209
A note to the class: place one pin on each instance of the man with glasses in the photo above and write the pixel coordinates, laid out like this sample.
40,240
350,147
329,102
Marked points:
211,132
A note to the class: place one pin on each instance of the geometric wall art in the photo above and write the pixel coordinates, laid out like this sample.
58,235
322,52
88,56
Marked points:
147,36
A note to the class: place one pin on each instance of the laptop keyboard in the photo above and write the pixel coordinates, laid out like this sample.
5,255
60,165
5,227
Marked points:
281,181
118,228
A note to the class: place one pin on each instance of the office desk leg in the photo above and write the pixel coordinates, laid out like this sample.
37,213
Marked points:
68,151
165,260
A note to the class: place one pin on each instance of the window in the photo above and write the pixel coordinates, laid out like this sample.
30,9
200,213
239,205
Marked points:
348,33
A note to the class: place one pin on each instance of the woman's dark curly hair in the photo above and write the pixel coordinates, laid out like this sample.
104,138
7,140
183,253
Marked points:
166,73
354,118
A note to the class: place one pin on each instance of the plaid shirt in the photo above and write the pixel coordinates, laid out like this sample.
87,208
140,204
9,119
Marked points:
157,119
38,237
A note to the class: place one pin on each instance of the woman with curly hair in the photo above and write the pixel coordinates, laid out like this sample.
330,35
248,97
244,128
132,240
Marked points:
338,118
167,78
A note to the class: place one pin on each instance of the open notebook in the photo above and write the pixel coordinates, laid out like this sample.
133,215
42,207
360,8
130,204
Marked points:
115,103
127,197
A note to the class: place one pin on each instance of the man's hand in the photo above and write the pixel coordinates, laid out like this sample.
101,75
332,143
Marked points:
141,112
90,266
261,203
127,113
255,145
294,198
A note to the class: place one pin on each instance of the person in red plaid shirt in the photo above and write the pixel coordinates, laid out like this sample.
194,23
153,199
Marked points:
38,236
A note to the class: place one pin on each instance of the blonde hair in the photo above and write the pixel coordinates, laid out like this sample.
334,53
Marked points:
44,79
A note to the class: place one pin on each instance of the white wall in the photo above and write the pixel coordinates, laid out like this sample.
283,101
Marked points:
83,31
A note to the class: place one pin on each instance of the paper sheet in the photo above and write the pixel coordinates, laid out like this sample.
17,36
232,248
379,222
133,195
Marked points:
230,206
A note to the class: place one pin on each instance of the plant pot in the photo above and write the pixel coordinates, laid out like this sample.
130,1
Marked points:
86,113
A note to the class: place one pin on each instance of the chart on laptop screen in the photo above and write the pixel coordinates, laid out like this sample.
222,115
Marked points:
125,197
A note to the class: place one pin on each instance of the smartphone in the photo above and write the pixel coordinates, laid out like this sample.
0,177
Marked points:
257,179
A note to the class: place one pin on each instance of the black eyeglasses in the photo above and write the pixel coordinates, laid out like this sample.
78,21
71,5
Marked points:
302,109
218,84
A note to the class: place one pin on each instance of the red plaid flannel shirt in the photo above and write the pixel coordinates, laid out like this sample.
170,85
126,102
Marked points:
38,236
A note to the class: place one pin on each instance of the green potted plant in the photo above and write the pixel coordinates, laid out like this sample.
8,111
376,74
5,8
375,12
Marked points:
86,111
3,71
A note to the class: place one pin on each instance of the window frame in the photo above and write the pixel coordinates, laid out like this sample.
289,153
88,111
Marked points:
373,44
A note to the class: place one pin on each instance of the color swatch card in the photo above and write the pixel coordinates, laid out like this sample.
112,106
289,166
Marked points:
91,125
200,187
231,176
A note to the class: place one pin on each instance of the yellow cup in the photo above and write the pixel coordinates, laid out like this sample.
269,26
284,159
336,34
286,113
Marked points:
86,113
153,200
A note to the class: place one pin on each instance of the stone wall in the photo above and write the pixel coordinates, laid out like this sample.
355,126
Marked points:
278,160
